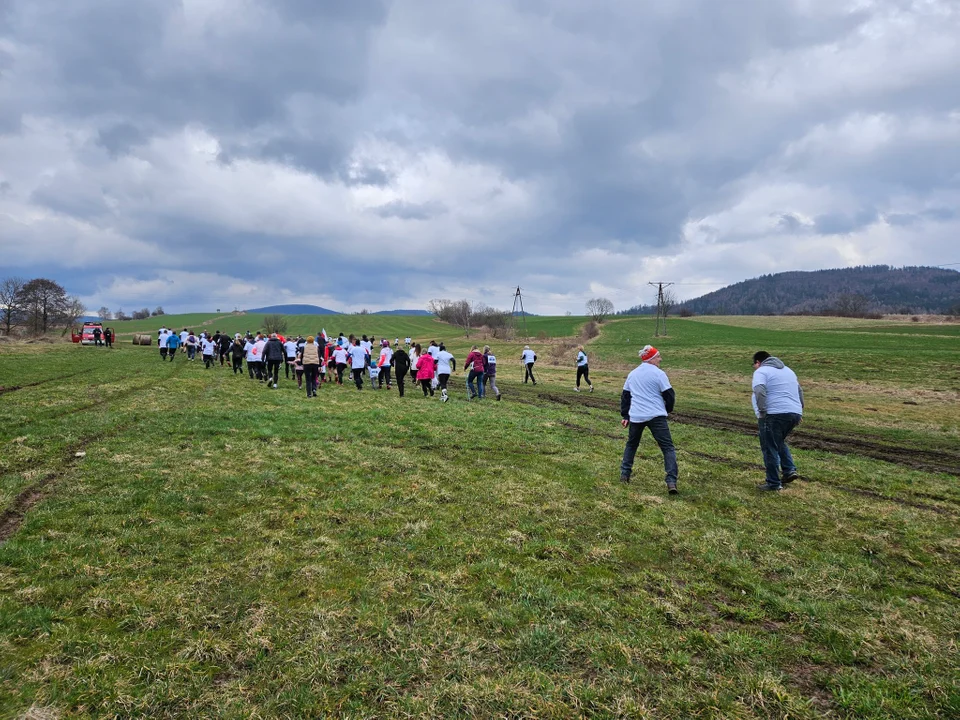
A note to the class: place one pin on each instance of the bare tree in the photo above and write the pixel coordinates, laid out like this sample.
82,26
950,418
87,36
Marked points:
159,311
45,303
11,302
599,308
119,314
440,307
669,300
103,313
73,310
275,324
461,315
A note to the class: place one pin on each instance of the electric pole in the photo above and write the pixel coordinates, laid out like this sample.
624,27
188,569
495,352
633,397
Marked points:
518,302
661,328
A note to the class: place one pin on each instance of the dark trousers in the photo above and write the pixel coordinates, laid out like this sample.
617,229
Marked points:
312,372
529,374
358,377
163,353
583,371
191,352
661,433
273,371
427,386
384,376
773,431
238,365
401,378
208,361
171,353
443,379
287,366
340,368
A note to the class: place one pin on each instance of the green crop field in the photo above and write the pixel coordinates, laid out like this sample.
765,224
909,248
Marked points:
184,542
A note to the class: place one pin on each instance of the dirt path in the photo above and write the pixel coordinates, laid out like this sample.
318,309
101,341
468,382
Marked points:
205,323
915,458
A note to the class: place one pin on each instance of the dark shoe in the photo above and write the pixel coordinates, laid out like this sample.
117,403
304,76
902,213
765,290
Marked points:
672,488
790,478
498,397
625,479
769,488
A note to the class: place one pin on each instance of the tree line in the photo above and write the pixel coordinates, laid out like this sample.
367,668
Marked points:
37,306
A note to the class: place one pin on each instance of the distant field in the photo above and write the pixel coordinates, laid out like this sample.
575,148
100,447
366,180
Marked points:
176,541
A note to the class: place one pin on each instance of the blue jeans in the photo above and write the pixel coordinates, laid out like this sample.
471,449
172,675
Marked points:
661,433
478,376
773,431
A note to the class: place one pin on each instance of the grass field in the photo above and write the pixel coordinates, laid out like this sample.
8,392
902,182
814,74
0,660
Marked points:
182,542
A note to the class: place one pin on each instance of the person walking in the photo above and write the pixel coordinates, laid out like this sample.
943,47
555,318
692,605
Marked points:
385,363
527,358
208,348
173,342
401,364
223,348
358,362
340,357
252,358
191,344
490,370
236,355
474,363
97,337
310,357
446,365
108,336
778,404
645,402
274,356
290,349
414,357
583,369
425,369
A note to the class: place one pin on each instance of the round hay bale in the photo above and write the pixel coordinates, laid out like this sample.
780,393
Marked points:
143,339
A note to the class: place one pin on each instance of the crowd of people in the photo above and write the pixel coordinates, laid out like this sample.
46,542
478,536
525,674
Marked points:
647,398
314,360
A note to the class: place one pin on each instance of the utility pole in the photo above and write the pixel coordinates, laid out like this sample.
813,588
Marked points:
661,308
518,302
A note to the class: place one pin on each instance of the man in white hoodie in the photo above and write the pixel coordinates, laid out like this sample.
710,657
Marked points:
778,404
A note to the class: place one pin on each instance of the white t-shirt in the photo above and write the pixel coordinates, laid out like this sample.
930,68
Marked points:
387,355
340,356
183,337
529,356
407,340
366,345
291,348
443,362
208,346
783,390
645,383
434,350
581,358
164,336
358,357
374,372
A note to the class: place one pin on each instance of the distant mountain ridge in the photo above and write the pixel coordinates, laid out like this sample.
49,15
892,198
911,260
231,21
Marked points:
849,291
295,309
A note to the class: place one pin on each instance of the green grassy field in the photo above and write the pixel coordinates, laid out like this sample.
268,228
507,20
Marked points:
182,542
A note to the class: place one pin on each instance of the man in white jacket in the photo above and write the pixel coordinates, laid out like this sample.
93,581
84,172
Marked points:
778,404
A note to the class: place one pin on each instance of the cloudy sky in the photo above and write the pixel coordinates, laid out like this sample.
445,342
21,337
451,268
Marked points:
204,154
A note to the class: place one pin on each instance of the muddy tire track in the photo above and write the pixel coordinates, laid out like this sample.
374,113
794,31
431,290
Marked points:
915,458
14,388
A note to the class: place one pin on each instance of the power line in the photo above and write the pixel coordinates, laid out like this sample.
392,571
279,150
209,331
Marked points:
661,308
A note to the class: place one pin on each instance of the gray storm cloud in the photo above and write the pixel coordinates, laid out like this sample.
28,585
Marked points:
183,153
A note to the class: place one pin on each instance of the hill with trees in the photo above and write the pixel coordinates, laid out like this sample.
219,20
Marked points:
851,292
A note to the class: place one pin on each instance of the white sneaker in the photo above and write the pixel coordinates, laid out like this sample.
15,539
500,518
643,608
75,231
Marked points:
591,388
274,386
576,389
444,397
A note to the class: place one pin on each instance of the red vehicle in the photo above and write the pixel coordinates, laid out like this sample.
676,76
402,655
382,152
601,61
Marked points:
86,336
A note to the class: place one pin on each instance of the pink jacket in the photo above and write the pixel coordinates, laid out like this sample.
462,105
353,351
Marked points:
425,367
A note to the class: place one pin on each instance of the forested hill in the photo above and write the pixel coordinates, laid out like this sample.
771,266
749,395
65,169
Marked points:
844,291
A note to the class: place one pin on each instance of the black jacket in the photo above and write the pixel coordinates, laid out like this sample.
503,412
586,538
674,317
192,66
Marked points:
273,351
401,362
